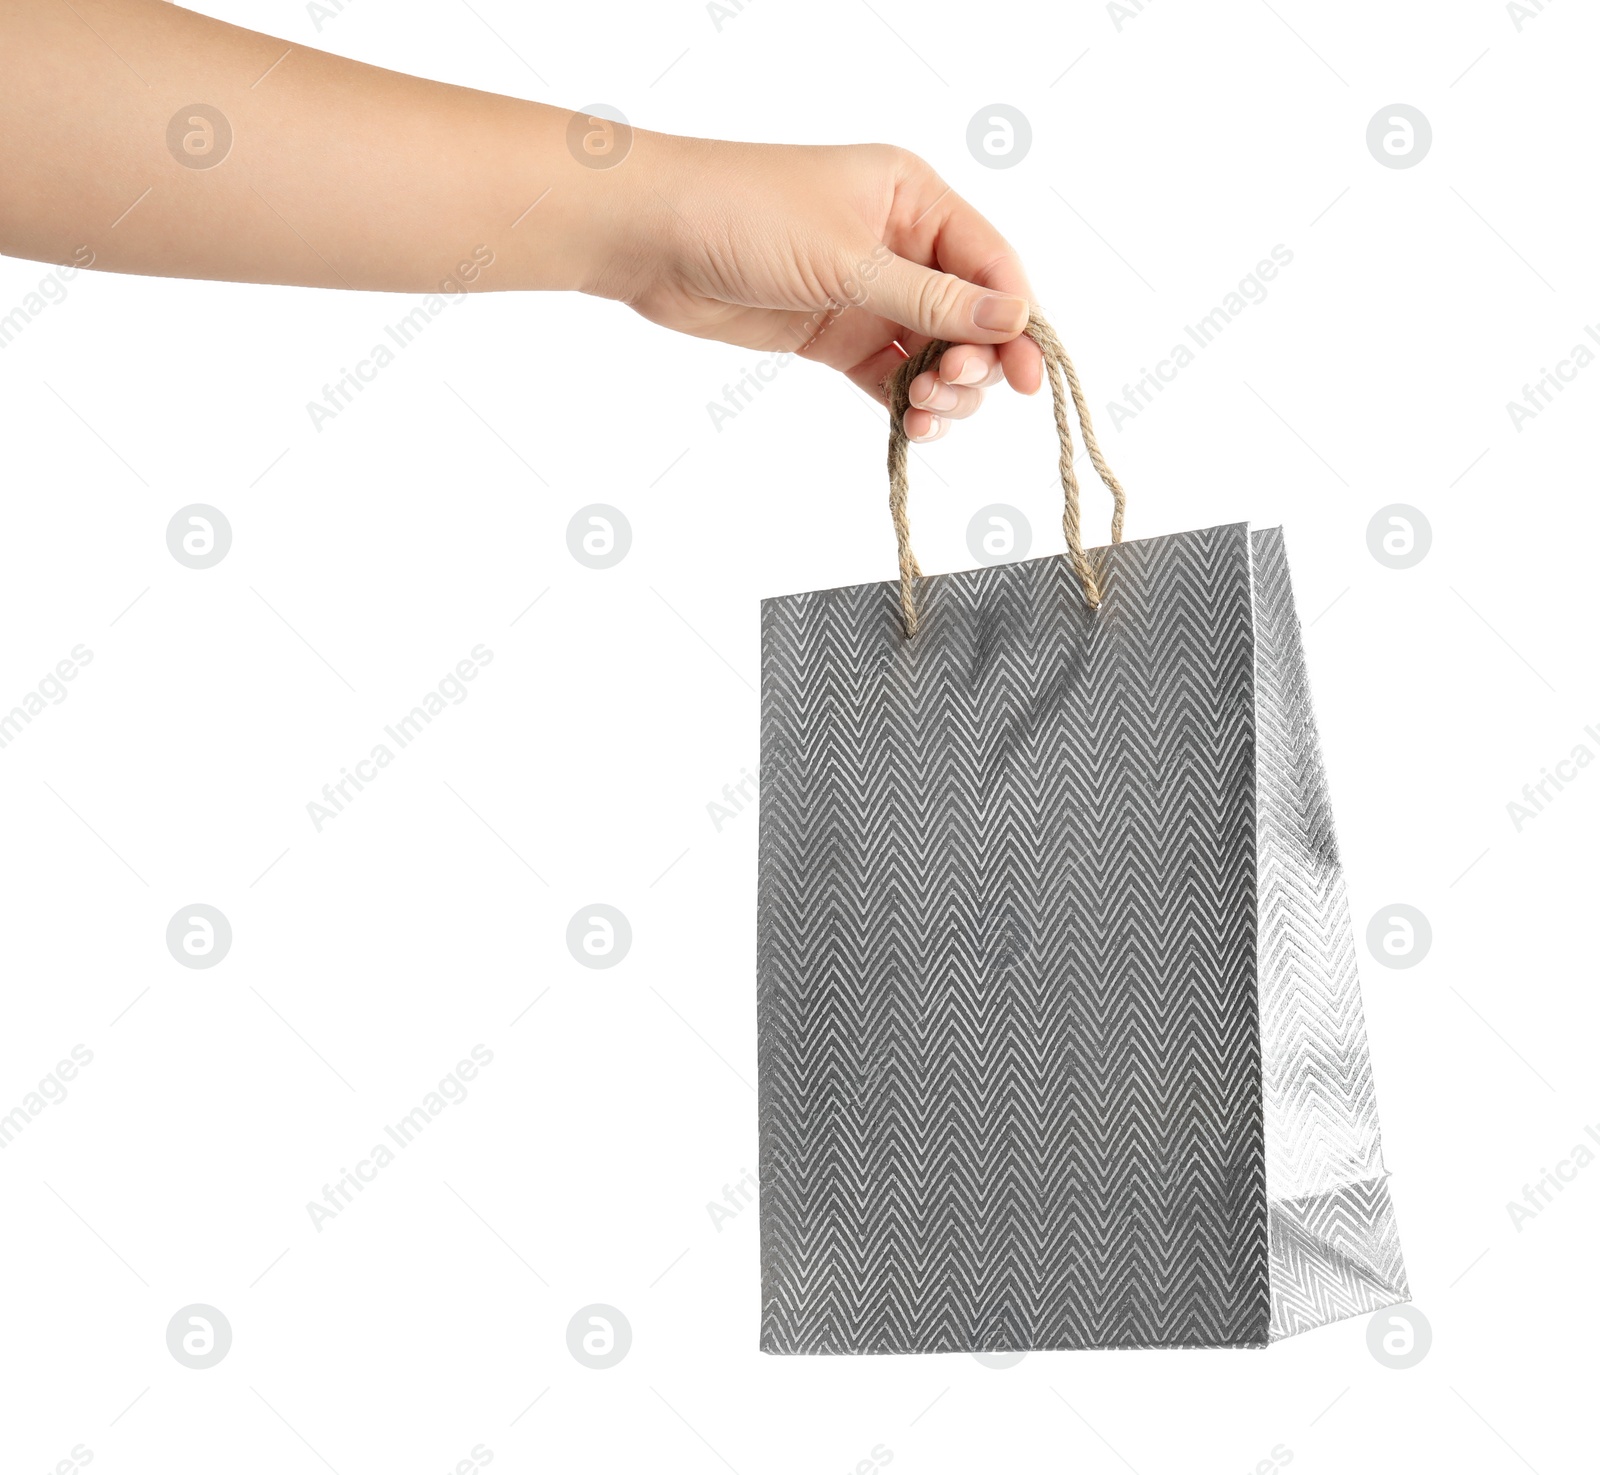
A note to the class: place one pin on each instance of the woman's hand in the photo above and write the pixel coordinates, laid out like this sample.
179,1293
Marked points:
835,253
306,168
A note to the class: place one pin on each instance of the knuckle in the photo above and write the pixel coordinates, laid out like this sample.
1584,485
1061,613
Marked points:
939,295
890,157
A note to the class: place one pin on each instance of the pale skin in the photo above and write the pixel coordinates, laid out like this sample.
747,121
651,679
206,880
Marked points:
342,175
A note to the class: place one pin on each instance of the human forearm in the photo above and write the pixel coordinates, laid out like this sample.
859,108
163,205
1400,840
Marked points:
139,137
336,174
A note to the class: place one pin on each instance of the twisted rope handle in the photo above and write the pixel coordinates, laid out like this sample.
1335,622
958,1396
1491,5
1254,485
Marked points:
1059,367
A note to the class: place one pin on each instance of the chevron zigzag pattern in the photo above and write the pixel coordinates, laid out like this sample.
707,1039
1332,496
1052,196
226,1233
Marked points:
1017,1087
1334,1245
1010,1086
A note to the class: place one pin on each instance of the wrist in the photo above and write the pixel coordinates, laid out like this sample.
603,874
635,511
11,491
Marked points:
624,190
583,203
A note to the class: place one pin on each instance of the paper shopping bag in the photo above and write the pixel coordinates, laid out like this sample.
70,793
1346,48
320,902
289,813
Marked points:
1060,1038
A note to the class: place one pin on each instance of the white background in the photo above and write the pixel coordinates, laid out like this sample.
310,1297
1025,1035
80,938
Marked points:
1168,158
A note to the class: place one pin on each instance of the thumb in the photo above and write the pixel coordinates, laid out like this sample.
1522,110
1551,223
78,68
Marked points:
939,305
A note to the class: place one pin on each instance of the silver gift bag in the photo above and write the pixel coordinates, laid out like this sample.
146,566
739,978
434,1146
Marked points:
1060,1036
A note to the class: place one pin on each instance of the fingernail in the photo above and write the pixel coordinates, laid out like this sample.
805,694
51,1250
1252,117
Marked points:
940,397
931,431
1000,314
974,371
